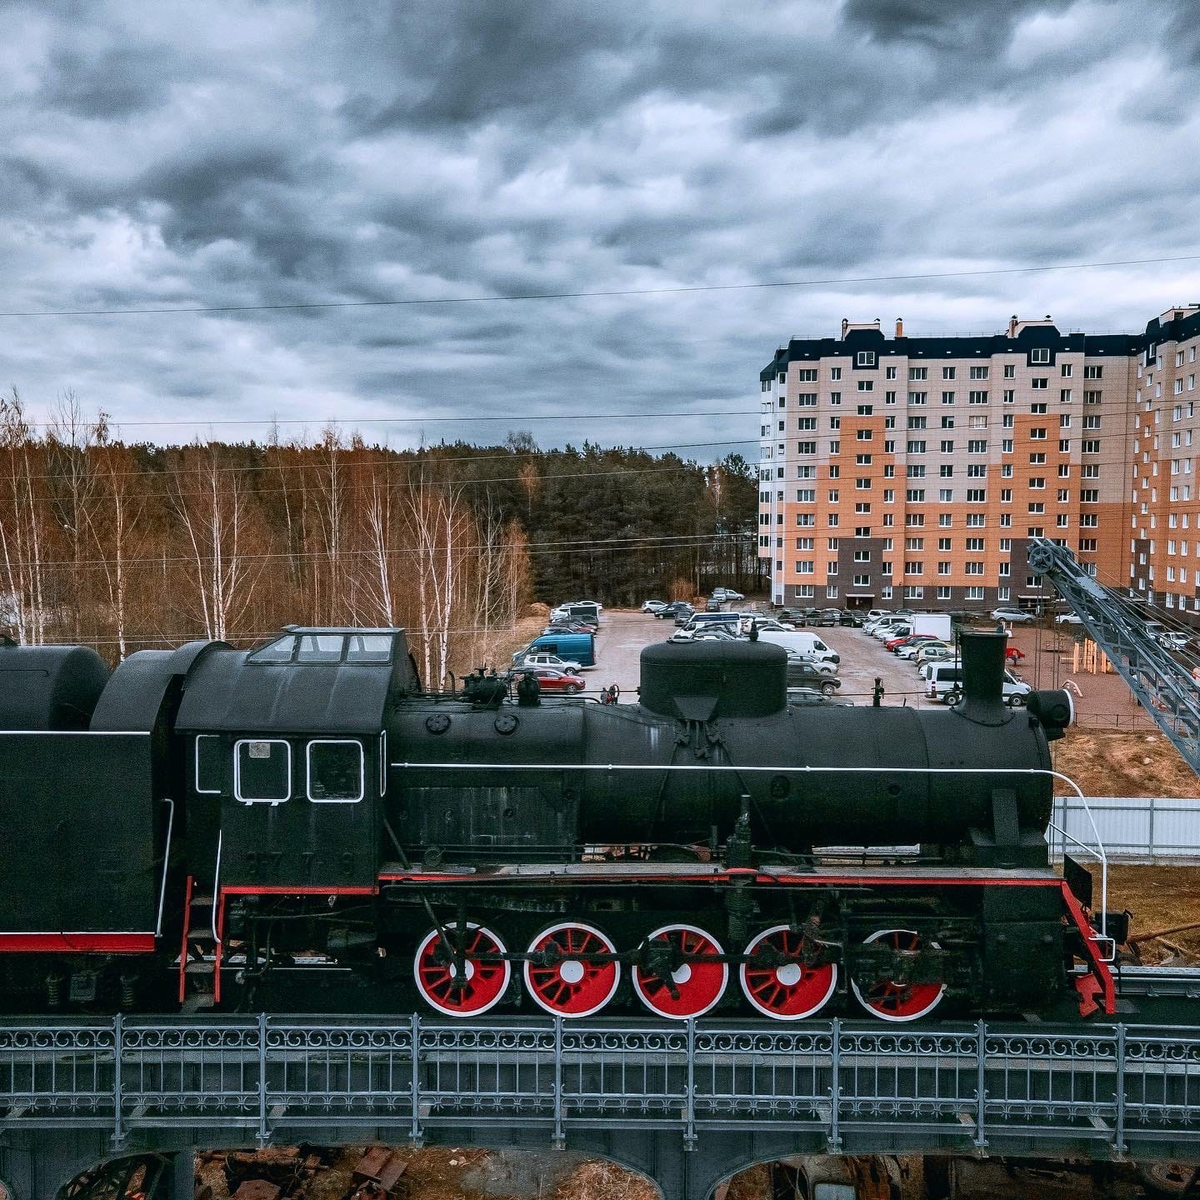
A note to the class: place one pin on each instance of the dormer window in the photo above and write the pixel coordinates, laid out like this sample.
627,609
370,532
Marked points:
1039,354
315,646
865,358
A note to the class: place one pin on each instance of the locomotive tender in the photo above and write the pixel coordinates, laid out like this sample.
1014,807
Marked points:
304,825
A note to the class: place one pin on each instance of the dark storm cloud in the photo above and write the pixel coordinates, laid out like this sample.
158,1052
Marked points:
282,152
972,26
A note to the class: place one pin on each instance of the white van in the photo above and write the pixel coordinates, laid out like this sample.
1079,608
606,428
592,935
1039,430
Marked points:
945,684
806,643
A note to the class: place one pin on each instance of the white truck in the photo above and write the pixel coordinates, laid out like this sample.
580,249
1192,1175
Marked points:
936,625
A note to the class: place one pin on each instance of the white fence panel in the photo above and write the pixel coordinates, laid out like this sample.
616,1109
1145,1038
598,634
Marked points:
1133,829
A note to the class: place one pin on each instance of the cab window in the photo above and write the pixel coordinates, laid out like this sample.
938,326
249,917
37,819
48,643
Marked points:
262,771
210,764
336,771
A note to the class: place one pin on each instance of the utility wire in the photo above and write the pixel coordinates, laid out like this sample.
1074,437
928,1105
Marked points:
659,291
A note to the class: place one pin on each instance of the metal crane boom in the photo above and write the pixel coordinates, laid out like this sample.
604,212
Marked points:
1163,687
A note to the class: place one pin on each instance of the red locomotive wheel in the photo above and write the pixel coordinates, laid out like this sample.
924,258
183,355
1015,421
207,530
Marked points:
697,986
892,1001
567,985
486,981
786,990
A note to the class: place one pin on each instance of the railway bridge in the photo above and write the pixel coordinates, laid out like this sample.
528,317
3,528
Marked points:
687,1104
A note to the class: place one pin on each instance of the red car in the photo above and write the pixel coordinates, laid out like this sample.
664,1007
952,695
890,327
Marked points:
558,681
894,644
1013,655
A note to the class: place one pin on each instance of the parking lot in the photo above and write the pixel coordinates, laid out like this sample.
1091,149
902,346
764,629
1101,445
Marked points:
624,632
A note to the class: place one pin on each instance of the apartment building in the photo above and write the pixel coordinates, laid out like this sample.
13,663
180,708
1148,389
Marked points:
1164,547
916,469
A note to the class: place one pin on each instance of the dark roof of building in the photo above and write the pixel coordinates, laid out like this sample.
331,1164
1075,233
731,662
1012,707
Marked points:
1109,344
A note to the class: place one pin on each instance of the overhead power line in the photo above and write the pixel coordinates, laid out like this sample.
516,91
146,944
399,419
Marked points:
519,419
581,295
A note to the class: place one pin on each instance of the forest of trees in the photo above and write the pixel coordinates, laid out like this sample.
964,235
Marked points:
125,546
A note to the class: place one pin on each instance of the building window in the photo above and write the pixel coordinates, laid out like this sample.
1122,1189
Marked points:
1040,384
1093,372
1039,354
865,358
979,372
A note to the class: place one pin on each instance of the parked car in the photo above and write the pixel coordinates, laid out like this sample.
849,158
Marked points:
556,681
723,594
1173,641
568,627
829,617
1014,616
684,615
822,664
653,606
713,605
1068,619
915,645
1013,655
875,614
932,654
894,644
803,675
669,610
550,660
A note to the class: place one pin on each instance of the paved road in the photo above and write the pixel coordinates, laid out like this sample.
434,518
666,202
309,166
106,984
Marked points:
623,634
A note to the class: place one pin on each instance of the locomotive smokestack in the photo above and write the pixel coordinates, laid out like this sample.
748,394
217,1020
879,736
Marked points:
983,677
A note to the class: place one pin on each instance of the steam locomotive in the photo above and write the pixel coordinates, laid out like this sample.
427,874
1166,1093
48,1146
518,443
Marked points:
304,826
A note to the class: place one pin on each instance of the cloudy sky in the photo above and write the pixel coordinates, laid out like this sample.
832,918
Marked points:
174,155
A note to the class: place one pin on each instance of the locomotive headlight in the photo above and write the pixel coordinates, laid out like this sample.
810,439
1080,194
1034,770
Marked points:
1054,709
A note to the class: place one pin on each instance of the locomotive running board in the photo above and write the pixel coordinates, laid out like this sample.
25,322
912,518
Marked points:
667,873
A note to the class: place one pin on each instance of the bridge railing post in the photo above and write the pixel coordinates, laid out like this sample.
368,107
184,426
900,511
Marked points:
835,1084
560,1135
118,1134
415,1136
980,1085
1119,1147
689,1104
264,1134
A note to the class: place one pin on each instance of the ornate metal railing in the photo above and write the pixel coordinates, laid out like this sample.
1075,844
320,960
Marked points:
258,1078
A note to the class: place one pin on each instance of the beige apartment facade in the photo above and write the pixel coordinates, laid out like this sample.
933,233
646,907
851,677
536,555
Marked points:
914,470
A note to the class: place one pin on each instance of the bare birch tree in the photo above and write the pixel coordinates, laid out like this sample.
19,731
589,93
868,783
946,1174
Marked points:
213,510
21,526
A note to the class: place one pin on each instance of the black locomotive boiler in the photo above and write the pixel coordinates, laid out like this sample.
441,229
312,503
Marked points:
305,825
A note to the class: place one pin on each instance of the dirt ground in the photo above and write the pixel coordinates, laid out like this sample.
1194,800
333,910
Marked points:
441,1173
1119,762
1160,898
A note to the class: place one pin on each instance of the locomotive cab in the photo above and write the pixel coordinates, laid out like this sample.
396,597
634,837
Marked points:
288,741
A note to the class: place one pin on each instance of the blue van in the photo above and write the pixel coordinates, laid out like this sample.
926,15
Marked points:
574,647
